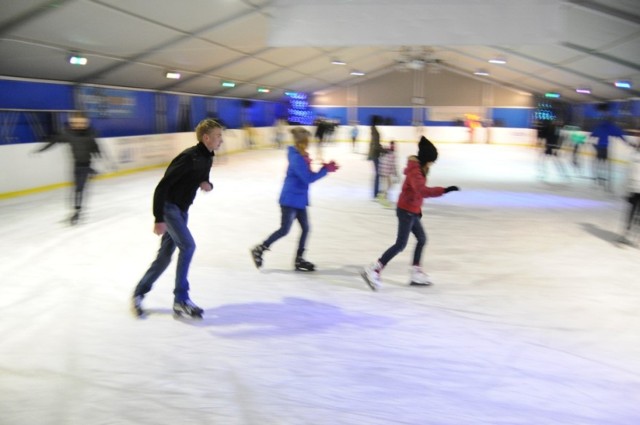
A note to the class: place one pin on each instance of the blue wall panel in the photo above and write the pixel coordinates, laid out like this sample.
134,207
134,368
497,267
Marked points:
338,113
142,121
32,95
512,117
391,116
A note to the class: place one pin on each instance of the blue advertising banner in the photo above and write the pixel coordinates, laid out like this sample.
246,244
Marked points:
101,102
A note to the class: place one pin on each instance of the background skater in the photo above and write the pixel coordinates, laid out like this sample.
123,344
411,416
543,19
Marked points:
82,141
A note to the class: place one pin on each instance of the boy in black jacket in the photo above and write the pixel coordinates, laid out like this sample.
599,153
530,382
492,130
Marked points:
171,201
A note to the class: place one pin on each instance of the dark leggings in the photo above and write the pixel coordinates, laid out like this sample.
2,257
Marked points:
80,176
288,215
407,223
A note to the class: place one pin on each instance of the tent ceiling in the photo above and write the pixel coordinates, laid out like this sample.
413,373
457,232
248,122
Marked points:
132,43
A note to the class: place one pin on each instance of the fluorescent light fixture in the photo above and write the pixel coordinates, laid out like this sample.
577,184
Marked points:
583,90
623,84
498,61
228,84
481,73
173,75
338,62
357,73
78,60
263,90
552,95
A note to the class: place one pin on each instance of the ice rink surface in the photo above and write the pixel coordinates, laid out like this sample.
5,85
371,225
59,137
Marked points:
534,317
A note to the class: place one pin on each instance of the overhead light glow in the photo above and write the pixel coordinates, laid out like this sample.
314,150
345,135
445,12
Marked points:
623,84
338,62
552,95
357,73
481,73
77,60
498,61
173,75
228,84
263,90
583,90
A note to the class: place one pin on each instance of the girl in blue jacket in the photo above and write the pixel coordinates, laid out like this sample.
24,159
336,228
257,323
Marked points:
294,198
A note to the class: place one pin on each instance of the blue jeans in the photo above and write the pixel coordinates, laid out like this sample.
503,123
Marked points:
177,235
407,223
288,215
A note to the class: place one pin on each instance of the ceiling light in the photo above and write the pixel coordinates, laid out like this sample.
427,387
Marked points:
173,75
552,95
338,62
228,84
583,90
623,84
481,73
78,60
357,73
498,61
263,90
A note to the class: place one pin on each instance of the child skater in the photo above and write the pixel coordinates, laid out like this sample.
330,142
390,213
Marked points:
409,212
633,188
294,198
388,172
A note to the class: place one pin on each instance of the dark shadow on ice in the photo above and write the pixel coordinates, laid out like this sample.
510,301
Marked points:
603,234
291,316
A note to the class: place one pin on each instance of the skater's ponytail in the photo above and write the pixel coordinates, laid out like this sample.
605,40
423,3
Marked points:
301,139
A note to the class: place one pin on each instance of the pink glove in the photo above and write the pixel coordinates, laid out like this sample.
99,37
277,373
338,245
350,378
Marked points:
331,166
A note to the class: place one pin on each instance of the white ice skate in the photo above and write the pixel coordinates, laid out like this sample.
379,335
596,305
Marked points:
371,275
419,277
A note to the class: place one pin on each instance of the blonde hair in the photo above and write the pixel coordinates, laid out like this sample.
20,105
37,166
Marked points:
300,139
205,126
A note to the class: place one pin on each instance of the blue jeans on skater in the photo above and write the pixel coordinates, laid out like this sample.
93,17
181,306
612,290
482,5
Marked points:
288,215
177,235
407,223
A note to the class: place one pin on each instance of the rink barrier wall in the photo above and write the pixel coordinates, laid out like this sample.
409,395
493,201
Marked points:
25,172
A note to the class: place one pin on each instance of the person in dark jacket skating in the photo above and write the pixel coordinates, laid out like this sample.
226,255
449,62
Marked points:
82,141
294,198
172,198
409,212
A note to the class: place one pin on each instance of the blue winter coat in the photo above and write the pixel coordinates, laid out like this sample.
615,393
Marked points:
295,191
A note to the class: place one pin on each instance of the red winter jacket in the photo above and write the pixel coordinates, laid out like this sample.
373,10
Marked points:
414,188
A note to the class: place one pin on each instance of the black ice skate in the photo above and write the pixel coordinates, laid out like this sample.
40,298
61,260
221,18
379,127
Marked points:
303,265
136,305
187,308
256,254
74,218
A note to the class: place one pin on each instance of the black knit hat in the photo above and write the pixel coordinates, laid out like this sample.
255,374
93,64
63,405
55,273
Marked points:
427,152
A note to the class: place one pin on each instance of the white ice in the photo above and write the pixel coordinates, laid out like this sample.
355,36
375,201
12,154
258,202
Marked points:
534,317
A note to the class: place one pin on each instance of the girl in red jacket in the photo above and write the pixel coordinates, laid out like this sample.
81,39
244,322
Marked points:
409,212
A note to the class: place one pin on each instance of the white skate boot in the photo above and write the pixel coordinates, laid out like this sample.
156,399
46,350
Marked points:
419,277
371,275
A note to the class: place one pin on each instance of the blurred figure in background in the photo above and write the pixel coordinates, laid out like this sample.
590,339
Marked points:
375,150
354,136
549,132
631,232
82,141
603,131
388,173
